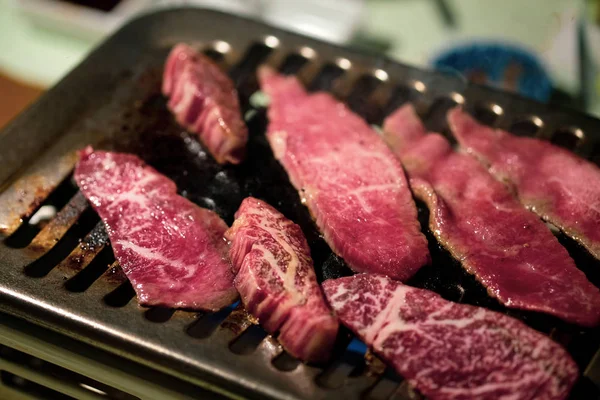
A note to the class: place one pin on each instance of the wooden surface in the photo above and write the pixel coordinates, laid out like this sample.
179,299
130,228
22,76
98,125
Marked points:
15,97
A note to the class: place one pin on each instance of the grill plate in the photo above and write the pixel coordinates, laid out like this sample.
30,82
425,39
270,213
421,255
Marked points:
61,274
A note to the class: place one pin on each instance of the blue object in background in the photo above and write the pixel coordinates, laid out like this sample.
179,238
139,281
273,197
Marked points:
357,346
501,65
234,305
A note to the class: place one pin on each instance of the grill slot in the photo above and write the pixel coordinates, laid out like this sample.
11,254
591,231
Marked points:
400,94
61,223
25,233
526,127
217,346
487,114
595,156
336,374
42,266
31,226
243,74
207,323
86,250
388,387
583,259
215,55
435,120
159,314
362,89
248,341
569,138
292,64
121,296
94,270
285,362
326,78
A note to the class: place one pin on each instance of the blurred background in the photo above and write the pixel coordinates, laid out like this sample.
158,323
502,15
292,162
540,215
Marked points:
548,50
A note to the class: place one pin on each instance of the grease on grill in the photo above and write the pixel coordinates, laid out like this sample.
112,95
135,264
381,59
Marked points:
115,274
56,228
94,270
70,240
239,320
374,366
57,199
84,253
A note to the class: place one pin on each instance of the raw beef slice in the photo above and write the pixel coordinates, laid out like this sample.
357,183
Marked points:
172,250
353,185
451,351
508,248
553,182
204,100
277,282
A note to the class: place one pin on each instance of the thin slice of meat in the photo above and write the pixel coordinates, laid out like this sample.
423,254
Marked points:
277,282
172,251
203,99
353,185
508,248
451,351
553,182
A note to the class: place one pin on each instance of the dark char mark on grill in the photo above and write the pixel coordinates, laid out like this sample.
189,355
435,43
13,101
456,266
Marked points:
43,265
59,197
86,277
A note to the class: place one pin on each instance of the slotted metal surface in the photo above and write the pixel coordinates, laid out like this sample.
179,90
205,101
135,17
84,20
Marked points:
58,268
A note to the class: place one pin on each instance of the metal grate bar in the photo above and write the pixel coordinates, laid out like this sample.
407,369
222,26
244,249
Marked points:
59,225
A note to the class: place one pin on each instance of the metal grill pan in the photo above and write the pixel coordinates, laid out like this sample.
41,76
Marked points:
59,271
